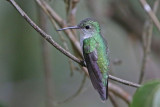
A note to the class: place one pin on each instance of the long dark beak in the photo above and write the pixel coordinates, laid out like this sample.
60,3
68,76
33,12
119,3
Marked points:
73,27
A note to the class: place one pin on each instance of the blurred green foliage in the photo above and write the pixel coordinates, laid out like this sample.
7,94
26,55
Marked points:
147,95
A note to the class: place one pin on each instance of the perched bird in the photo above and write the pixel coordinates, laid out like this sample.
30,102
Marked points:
95,52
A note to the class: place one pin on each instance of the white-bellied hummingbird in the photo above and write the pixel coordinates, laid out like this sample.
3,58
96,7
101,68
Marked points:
95,52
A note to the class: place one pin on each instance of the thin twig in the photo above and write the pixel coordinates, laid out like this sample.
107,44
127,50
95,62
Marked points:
60,34
150,13
58,47
71,21
63,41
62,24
112,99
72,15
46,62
66,47
120,93
147,39
124,81
76,93
68,6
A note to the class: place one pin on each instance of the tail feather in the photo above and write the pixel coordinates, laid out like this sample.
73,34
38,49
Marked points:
107,89
104,96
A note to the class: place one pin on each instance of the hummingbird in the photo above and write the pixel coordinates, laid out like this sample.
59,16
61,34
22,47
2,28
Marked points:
95,53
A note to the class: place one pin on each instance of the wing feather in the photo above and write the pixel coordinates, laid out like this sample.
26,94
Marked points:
95,74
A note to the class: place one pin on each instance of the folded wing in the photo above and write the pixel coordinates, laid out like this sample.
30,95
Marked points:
95,74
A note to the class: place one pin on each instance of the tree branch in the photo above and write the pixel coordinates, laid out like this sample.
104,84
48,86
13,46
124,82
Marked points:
76,93
147,39
112,99
46,62
150,13
120,93
125,82
44,35
72,14
58,47
51,13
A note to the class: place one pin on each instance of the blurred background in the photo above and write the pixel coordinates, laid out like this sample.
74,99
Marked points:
22,76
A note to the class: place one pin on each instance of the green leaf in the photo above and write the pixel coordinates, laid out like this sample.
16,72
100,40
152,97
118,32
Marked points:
147,96
156,100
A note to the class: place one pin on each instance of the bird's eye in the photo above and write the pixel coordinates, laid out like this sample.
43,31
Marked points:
87,27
